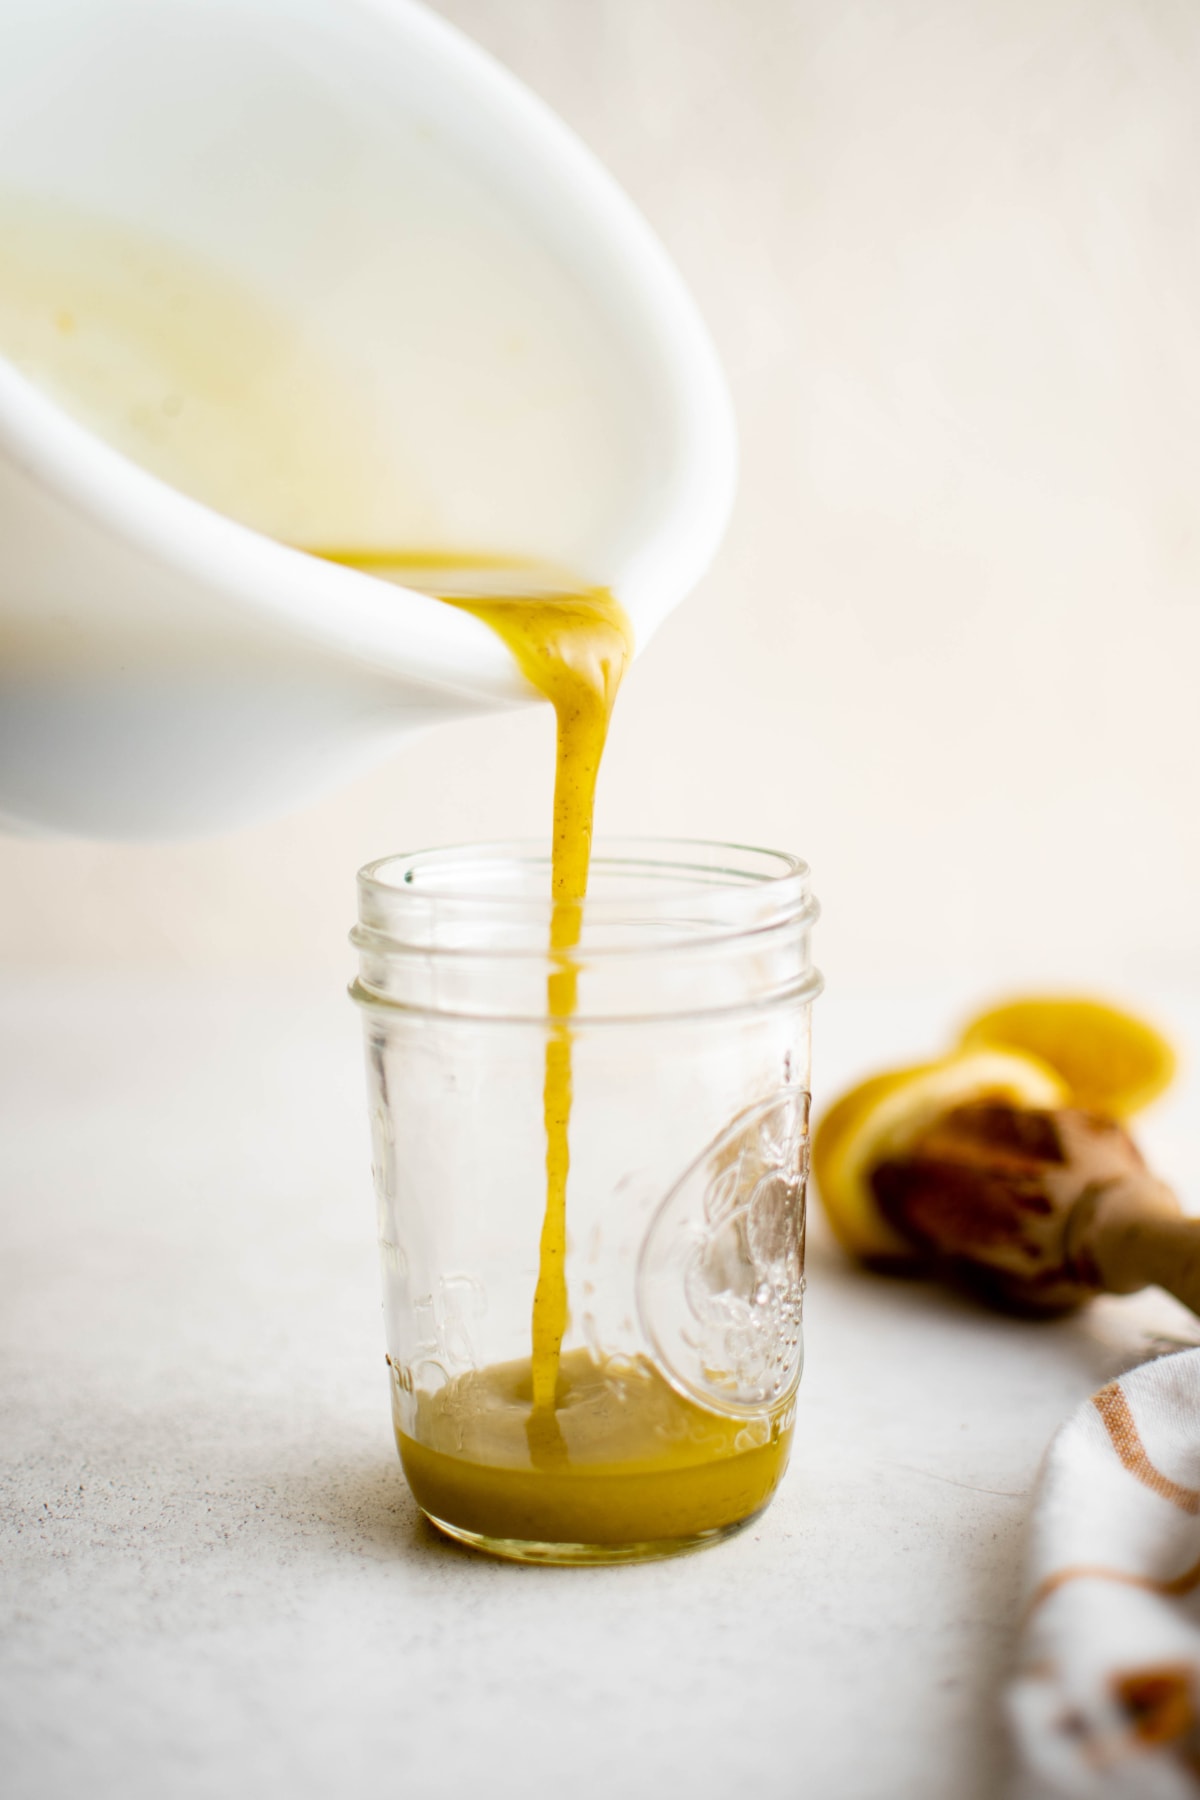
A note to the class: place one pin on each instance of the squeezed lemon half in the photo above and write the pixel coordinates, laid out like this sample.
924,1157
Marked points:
1040,1050
884,1115
1112,1061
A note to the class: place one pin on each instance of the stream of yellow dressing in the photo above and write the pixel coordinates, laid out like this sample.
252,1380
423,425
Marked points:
573,646
574,649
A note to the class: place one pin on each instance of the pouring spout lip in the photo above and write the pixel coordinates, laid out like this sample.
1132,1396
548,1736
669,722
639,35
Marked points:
577,210
389,628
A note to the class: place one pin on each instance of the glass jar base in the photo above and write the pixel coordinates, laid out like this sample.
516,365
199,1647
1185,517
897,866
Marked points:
526,1550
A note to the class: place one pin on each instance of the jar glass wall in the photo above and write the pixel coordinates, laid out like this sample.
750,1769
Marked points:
688,1050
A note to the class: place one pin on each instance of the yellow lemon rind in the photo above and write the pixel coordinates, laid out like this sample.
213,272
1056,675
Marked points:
1112,1061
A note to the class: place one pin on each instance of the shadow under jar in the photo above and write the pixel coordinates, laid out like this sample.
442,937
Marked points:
686,1063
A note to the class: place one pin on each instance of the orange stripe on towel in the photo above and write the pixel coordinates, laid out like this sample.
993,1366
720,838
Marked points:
1172,1589
1121,1426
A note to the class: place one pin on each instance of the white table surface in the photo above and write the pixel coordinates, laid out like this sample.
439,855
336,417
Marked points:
214,1580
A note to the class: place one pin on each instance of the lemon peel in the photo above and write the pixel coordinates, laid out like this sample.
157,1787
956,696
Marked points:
1112,1061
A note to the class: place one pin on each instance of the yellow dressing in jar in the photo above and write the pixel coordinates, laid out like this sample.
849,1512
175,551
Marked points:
640,1466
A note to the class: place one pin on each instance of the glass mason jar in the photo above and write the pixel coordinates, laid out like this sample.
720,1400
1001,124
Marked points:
681,1267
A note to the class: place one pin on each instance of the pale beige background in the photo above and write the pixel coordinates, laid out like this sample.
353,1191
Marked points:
949,251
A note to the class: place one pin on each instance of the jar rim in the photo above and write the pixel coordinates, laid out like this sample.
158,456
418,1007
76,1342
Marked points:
435,924
779,872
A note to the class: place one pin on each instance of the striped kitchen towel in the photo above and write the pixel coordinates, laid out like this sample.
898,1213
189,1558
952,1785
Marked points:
1105,1703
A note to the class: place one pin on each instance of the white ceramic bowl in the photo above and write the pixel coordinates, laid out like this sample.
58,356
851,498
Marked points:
165,670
